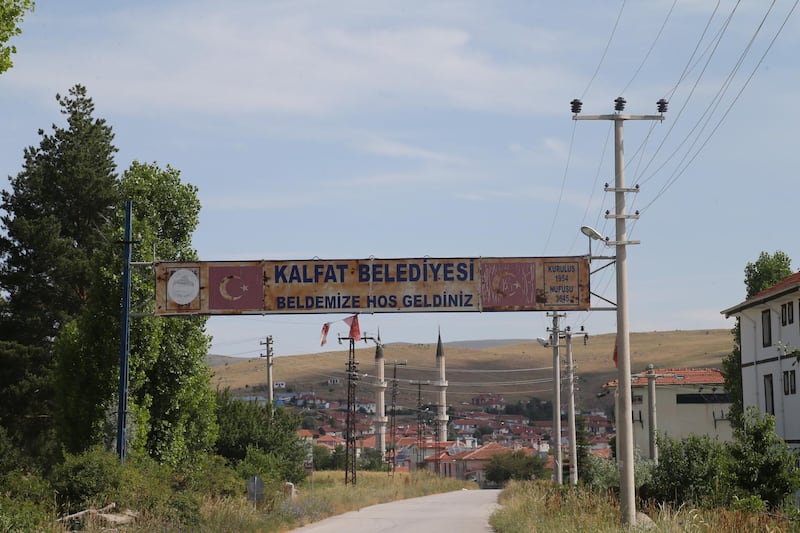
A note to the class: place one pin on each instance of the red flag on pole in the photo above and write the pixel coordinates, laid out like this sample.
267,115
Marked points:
615,354
324,336
355,330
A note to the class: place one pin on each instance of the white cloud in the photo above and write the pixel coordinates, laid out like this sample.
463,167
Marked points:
396,149
276,59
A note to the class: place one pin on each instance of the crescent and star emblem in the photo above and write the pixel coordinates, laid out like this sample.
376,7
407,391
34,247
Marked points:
223,288
505,284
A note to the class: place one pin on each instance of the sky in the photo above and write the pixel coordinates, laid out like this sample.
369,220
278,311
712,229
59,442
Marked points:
362,128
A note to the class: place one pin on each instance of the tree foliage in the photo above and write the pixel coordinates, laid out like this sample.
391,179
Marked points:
515,465
273,431
171,401
56,220
765,272
11,14
763,464
692,470
757,466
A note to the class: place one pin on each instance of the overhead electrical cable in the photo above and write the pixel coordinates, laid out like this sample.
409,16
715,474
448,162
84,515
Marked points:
675,176
563,186
674,121
605,50
649,50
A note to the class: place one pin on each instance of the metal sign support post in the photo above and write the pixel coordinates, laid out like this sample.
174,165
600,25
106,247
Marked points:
122,409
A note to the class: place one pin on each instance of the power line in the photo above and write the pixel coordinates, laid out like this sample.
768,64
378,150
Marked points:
605,50
649,50
680,172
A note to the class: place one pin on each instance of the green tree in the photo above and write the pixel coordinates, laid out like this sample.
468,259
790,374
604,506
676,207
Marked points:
273,431
582,445
515,465
763,464
170,378
692,470
309,422
323,457
26,397
339,458
372,460
56,217
765,272
480,431
11,14
55,221
171,401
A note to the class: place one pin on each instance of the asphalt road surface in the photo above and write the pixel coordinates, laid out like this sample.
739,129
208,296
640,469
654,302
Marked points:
463,511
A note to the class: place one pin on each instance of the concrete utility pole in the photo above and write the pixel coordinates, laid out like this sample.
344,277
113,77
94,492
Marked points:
573,445
651,411
624,419
393,418
556,440
268,354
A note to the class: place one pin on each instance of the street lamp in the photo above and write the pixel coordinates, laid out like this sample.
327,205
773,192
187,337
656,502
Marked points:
593,233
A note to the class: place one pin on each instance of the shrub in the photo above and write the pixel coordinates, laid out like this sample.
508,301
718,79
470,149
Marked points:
23,515
693,470
763,464
92,478
517,465
212,476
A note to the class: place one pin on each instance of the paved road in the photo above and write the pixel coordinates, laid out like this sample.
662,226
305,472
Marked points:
463,511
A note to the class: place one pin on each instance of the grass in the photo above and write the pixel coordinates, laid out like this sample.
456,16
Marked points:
278,514
537,506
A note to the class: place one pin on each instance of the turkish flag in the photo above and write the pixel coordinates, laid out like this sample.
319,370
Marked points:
615,353
236,286
324,336
355,330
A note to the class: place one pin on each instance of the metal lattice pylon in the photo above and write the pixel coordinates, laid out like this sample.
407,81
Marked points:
350,432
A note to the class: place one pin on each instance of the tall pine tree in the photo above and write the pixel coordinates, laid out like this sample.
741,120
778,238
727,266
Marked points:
55,218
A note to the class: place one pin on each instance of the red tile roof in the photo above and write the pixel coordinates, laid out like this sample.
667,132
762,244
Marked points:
677,376
787,285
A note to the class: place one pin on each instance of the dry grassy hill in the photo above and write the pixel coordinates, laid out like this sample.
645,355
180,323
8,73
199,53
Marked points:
516,371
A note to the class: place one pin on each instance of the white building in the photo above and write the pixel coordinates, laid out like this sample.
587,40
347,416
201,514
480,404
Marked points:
770,340
689,401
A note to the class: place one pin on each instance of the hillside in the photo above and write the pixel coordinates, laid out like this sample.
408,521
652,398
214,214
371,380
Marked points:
515,370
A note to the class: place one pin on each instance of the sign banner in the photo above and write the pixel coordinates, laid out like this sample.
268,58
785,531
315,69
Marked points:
373,286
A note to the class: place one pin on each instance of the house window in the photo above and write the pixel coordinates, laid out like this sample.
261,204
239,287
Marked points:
787,313
713,397
766,329
789,382
769,401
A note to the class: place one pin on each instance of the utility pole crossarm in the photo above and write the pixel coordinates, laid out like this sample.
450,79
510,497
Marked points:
617,116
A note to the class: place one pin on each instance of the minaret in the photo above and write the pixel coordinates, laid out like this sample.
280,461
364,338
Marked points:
441,385
380,402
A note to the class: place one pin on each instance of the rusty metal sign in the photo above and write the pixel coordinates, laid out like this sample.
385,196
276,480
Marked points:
373,286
